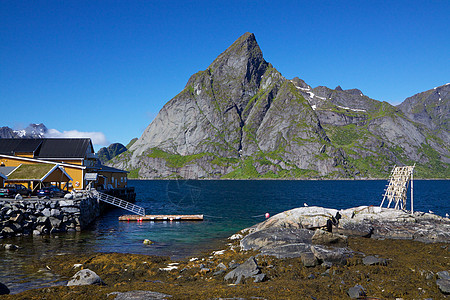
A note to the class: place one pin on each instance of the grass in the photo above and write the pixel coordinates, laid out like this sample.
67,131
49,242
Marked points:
35,171
174,160
134,173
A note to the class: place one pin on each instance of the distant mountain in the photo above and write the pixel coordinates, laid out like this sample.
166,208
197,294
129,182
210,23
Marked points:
240,118
32,131
107,153
432,109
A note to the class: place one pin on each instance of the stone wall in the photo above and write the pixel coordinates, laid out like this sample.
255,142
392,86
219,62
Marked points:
33,216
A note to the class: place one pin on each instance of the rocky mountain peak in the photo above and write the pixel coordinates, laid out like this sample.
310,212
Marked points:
31,131
299,83
243,59
240,118
354,92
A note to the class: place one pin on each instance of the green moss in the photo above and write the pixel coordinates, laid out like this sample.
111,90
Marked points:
435,168
35,171
134,173
346,135
173,160
246,170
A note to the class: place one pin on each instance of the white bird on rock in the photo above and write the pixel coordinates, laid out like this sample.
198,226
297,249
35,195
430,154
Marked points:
305,205
431,212
446,215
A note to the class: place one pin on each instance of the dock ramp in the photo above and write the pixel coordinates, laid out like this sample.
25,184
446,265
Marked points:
119,203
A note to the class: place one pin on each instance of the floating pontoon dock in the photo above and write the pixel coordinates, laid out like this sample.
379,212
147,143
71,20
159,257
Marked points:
161,218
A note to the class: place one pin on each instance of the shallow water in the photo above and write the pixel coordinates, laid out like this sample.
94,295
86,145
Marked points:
228,206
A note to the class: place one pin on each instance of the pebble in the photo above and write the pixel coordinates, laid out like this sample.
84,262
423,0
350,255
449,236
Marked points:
356,292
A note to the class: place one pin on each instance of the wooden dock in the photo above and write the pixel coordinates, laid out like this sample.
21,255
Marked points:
175,218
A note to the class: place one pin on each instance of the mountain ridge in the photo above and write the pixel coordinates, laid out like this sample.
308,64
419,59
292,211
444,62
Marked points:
31,131
240,118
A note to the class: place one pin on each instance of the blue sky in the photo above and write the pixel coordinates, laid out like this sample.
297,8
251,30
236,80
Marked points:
106,68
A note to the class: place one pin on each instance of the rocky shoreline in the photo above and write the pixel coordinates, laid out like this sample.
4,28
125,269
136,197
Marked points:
304,253
32,216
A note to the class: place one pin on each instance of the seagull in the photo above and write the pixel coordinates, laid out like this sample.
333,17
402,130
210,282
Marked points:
305,205
431,212
446,215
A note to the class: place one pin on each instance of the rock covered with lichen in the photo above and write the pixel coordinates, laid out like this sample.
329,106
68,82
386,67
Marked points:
322,232
364,221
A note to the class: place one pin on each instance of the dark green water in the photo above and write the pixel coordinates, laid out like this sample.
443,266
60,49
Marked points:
228,206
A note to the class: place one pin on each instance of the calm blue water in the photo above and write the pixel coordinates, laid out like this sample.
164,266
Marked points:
228,206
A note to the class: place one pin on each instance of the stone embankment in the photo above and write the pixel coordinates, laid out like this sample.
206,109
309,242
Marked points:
44,216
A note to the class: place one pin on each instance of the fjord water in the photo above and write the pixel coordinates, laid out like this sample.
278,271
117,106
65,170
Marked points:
228,206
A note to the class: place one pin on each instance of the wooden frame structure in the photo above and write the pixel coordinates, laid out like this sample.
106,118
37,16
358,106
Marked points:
397,187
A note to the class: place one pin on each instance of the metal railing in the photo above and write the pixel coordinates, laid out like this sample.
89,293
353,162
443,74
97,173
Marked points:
119,203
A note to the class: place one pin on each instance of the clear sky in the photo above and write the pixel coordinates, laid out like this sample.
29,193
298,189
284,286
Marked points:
106,68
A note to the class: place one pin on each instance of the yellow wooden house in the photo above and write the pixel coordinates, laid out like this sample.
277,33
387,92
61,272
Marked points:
68,159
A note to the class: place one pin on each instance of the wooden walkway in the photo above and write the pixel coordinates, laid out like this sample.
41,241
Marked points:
161,218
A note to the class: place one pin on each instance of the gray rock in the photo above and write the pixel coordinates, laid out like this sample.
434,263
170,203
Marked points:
332,254
55,212
246,270
70,210
323,237
356,292
10,247
443,275
42,220
308,259
68,200
68,196
139,295
286,251
444,286
360,229
46,212
372,260
4,290
18,197
85,277
55,222
219,272
271,237
7,231
259,277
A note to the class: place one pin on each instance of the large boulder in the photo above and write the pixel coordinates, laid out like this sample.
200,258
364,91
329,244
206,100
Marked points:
85,277
247,270
310,217
293,242
444,286
323,237
276,236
